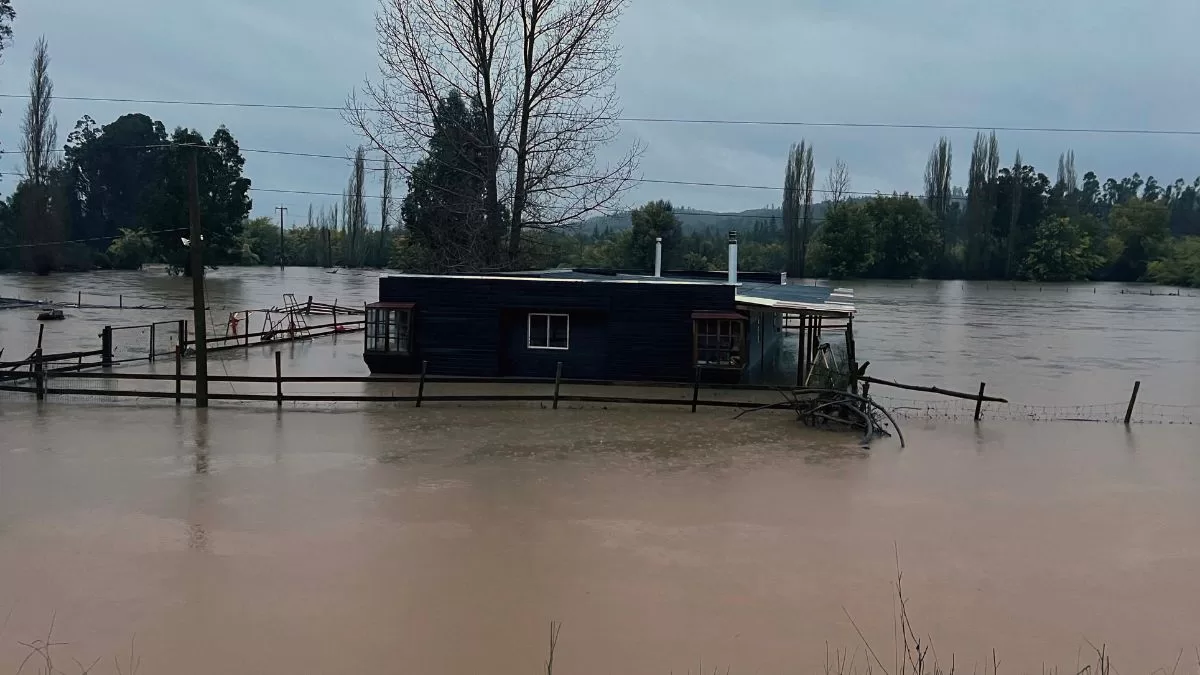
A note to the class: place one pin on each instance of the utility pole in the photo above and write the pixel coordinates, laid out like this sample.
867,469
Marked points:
200,325
281,210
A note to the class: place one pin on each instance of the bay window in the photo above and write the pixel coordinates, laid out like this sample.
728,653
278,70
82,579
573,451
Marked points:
389,327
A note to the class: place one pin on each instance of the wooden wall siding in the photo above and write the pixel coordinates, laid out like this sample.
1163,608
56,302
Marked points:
469,326
586,358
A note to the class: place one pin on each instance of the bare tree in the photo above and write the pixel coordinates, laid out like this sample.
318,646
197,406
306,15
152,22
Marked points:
837,183
541,73
797,205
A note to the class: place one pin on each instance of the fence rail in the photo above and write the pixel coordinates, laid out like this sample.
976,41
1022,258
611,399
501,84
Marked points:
66,382
43,386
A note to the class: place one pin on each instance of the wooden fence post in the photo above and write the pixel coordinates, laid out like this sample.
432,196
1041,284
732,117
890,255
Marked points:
41,331
106,347
278,380
421,384
1132,400
79,299
152,346
557,382
178,374
696,389
979,401
183,336
308,310
39,375
120,302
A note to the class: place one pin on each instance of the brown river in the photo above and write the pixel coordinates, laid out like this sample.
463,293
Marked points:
447,539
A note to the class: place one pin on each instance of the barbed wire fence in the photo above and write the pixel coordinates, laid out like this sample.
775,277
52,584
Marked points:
963,410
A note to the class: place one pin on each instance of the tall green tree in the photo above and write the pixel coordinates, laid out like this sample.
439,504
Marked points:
906,241
651,221
1183,201
846,246
799,175
1139,232
354,206
938,187
1062,250
1181,266
447,226
40,196
1022,197
981,204
131,175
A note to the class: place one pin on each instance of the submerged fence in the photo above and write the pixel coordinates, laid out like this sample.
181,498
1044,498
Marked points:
385,389
416,390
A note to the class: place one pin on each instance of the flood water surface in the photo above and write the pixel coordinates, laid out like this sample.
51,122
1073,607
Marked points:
446,539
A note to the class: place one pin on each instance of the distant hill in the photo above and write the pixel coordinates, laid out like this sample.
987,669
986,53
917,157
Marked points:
694,220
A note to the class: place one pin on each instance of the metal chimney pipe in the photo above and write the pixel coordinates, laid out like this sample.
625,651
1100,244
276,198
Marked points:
658,257
733,257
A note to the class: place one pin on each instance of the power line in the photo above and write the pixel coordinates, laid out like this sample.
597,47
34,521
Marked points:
88,239
400,167
677,120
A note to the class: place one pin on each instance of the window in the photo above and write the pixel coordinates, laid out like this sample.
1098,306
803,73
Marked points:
389,329
549,331
719,342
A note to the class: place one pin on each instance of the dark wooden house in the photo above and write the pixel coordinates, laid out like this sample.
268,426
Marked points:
598,327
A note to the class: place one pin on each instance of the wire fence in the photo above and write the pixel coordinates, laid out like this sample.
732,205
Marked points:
147,341
962,410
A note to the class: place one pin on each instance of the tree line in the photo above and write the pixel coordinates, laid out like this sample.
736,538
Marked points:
1011,223
494,112
115,195
1017,223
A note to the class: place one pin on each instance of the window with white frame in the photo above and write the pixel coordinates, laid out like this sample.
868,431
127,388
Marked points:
549,331
389,329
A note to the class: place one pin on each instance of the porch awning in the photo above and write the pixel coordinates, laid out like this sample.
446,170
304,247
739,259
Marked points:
391,305
729,316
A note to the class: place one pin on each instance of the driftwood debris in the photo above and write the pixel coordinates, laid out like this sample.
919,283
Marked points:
825,407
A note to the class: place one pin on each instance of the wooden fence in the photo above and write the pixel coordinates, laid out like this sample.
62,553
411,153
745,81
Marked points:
48,382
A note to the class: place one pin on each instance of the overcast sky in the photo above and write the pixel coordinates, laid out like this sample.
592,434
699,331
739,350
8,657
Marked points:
1063,63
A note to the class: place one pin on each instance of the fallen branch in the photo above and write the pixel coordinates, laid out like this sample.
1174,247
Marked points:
931,390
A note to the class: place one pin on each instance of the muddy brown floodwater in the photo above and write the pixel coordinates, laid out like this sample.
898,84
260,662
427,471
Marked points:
446,539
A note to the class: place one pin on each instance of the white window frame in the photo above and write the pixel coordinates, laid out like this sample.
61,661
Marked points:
529,331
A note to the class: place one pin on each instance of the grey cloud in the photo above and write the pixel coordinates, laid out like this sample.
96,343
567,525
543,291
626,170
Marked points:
1018,63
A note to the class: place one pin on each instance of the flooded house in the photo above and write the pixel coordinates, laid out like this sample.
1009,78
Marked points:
607,325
